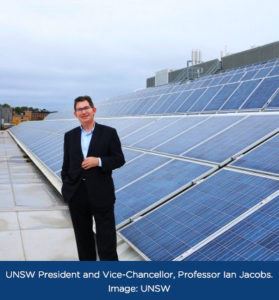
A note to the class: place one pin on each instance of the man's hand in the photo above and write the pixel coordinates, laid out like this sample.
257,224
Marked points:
90,162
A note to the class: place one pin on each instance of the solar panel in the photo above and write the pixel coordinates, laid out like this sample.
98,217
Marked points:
221,97
237,77
164,103
263,158
275,71
132,109
240,95
256,238
263,72
126,127
261,95
155,186
249,74
180,99
274,103
205,82
195,135
191,99
194,96
191,217
198,137
153,106
235,139
147,103
200,103
151,128
130,154
136,168
162,136
56,165
225,79
216,80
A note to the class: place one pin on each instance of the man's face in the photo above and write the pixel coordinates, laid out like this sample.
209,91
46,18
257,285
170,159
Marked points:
84,112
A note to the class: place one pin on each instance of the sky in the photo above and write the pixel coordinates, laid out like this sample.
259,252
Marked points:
52,51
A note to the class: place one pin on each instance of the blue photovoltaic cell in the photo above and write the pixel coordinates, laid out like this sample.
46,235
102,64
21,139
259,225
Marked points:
190,100
204,99
236,77
263,158
275,71
240,95
235,139
35,133
177,88
52,159
164,134
56,166
196,84
249,75
225,79
166,103
193,136
143,104
256,238
53,156
53,145
275,102
183,87
262,93
66,114
180,224
263,72
136,108
147,130
221,97
126,126
151,109
137,168
156,107
216,80
124,109
132,107
178,101
154,187
211,81
130,154
148,105
205,82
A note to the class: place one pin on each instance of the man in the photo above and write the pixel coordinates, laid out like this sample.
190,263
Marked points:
91,152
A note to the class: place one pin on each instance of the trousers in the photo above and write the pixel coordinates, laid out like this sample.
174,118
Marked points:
82,211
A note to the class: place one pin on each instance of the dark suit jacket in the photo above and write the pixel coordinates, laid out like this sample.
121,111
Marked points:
105,144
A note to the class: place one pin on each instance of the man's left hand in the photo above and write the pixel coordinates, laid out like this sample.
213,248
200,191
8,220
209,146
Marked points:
90,162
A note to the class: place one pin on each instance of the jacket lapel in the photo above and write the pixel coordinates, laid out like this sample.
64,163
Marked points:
94,141
78,142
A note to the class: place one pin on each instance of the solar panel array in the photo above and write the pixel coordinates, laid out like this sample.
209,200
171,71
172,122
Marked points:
253,87
158,147
255,238
190,218
192,182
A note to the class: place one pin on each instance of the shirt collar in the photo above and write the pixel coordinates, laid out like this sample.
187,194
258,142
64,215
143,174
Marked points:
87,132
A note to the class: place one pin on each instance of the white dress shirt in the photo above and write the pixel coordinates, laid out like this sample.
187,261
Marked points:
86,137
